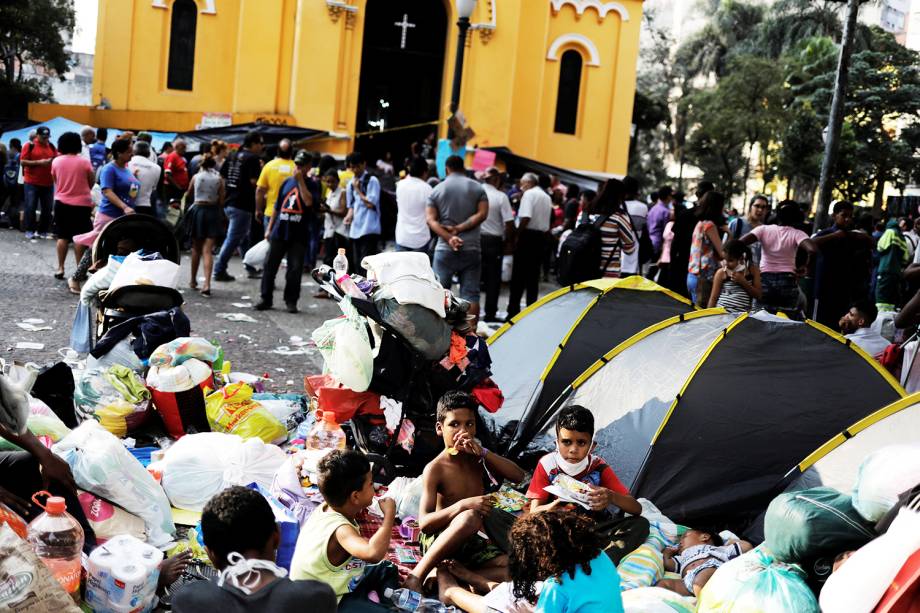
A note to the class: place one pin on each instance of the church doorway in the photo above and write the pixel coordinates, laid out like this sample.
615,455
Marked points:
402,67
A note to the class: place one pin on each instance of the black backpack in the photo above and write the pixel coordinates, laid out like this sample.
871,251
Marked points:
580,255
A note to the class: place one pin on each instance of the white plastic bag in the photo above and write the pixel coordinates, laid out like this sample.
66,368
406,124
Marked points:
101,465
257,254
122,353
507,265
352,359
135,271
862,580
656,600
883,476
198,466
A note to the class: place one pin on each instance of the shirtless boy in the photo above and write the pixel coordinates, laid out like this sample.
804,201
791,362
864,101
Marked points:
454,502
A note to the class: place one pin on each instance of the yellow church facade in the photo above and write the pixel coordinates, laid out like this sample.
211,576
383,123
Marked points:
552,80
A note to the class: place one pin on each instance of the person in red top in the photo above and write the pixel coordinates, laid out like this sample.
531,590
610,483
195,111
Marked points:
36,159
175,171
575,441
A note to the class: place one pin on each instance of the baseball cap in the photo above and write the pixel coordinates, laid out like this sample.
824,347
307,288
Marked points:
43,131
303,157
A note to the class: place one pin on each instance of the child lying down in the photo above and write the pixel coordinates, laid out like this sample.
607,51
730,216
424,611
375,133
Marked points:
696,559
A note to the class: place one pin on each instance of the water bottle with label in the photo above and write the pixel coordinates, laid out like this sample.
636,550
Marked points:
340,264
57,538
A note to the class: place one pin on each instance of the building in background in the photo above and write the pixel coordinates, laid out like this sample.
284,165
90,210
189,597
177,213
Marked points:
552,80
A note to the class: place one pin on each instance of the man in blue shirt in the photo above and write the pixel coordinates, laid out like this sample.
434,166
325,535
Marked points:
289,229
363,198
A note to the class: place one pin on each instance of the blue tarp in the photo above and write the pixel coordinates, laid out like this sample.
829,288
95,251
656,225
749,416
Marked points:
59,125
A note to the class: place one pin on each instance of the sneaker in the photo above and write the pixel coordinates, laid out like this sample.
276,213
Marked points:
223,276
44,236
263,306
254,274
292,307
30,235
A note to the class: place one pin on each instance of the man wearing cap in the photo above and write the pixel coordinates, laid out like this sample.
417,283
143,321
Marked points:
497,230
289,228
36,160
412,233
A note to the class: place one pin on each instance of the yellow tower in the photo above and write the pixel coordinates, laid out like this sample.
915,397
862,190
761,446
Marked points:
552,80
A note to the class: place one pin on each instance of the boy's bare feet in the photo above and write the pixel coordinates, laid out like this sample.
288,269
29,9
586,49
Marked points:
446,584
476,581
172,568
413,583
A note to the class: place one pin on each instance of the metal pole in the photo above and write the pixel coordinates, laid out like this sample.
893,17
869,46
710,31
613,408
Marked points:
835,121
464,25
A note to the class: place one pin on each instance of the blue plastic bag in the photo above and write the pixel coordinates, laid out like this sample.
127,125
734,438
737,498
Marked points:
80,334
288,526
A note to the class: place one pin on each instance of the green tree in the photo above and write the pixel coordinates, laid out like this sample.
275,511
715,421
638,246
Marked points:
708,52
31,32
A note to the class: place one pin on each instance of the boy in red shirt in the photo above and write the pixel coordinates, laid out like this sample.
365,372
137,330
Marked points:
574,444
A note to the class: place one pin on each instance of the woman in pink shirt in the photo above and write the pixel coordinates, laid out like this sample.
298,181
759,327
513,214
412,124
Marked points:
73,204
779,274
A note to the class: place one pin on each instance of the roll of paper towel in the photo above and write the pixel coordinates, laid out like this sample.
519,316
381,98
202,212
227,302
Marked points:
123,575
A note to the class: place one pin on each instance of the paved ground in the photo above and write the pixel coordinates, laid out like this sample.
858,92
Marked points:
28,290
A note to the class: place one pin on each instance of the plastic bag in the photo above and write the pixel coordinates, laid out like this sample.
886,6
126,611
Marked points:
41,426
14,402
198,466
882,477
178,351
656,600
407,492
858,585
81,332
114,396
10,518
232,410
428,333
802,526
108,520
352,360
121,354
138,271
257,254
101,464
27,584
756,583
286,487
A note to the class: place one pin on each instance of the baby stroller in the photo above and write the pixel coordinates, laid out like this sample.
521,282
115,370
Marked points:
150,235
402,373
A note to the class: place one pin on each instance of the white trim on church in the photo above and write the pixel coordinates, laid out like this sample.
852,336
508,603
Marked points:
594,57
602,8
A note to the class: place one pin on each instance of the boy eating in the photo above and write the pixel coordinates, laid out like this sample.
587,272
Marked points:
241,538
454,503
330,547
574,443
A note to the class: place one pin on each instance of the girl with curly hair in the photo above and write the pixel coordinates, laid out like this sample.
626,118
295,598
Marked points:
562,550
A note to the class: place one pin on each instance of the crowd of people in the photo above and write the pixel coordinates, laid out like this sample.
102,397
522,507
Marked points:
308,207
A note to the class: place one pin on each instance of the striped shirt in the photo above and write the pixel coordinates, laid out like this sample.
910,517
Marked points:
733,298
617,238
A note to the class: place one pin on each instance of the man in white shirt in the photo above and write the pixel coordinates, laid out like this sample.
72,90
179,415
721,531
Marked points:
148,173
412,232
638,214
534,217
88,136
856,326
496,230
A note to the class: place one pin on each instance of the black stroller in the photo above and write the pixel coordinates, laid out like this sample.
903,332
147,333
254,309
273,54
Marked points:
402,373
150,235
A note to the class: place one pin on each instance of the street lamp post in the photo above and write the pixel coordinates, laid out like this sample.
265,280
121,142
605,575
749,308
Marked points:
464,10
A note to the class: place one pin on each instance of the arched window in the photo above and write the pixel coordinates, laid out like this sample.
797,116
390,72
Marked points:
182,30
569,92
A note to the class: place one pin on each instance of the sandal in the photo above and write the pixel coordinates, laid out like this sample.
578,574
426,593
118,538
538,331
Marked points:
59,275
206,293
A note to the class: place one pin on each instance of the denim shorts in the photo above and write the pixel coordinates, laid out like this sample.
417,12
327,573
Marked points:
467,265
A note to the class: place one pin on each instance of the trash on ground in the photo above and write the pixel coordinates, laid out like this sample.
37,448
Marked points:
238,317
29,345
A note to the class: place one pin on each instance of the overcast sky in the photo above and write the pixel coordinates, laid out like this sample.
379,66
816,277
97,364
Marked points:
84,40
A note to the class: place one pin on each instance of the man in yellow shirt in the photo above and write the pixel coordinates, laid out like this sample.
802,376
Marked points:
273,175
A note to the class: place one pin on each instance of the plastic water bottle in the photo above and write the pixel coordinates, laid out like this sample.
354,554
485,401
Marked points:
404,599
340,264
326,434
57,539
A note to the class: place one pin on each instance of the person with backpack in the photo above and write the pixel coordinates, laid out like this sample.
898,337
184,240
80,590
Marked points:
534,217
36,160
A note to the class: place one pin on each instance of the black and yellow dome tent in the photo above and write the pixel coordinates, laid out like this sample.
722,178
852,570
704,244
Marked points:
705,413
539,352
836,463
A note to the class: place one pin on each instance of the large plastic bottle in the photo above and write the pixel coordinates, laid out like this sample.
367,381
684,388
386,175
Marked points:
404,599
57,539
326,434
340,264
